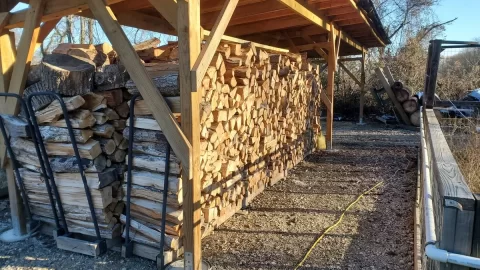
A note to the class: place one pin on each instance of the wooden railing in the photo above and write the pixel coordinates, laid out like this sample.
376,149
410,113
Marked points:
454,203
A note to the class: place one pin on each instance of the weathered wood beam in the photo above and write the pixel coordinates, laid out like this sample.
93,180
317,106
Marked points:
332,59
213,40
54,9
168,9
189,41
367,21
309,47
350,74
315,16
267,25
156,103
293,47
362,88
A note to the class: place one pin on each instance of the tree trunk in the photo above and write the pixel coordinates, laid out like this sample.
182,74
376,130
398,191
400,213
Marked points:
67,75
410,105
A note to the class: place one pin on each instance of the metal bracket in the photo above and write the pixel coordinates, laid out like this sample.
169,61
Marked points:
453,204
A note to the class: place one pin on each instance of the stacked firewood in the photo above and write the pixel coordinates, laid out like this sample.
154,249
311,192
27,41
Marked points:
409,103
91,88
259,113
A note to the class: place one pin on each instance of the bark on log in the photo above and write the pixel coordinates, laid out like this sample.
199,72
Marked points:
54,111
78,119
144,135
111,77
15,126
167,85
104,131
410,105
155,164
67,75
150,179
38,102
61,135
402,95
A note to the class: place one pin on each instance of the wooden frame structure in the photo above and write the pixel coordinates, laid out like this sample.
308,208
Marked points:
319,27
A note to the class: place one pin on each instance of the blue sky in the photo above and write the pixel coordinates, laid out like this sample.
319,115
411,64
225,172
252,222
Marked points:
466,27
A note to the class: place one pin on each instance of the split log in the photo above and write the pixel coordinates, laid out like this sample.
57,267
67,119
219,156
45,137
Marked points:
72,212
144,135
410,105
70,164
402,95
61,135
89,150
97,57
170,241
151,148
167,85
123,110
161,69
63,48
94,180
15,126
155,164
154,210
94,102
104,131
153,194
108,145
415,118
105,48
111,77
119,124
54,111
38,102
78,119
149,43
100,118
141,107
149,179
114,97
67,75
118,156
111,114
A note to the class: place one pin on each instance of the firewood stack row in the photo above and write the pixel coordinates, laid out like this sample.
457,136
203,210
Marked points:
259,113
409,103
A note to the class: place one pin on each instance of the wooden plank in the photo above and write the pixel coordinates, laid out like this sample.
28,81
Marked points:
213,40
168,9
350,74
189,46
156,103
45,30
54,9
392,97
362,88
330,87
78,246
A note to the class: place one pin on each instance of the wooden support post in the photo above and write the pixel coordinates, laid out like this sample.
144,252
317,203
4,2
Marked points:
16,84
332,59
362,89
189,39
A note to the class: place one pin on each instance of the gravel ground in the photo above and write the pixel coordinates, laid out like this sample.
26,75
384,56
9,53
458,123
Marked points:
284,221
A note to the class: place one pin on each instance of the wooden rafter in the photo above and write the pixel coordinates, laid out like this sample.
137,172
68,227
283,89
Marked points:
332,59
357,81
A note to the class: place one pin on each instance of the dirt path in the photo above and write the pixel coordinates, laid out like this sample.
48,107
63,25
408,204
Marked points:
284,221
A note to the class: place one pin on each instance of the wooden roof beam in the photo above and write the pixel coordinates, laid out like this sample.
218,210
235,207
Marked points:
320,20
267,25
367,21
54,9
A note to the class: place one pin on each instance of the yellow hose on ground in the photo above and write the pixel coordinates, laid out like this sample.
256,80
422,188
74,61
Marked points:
335,225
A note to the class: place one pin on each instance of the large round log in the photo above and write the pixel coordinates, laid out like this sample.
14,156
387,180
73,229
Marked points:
111,77
397,85
402,95
99,58
410,105
67,75
415,118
